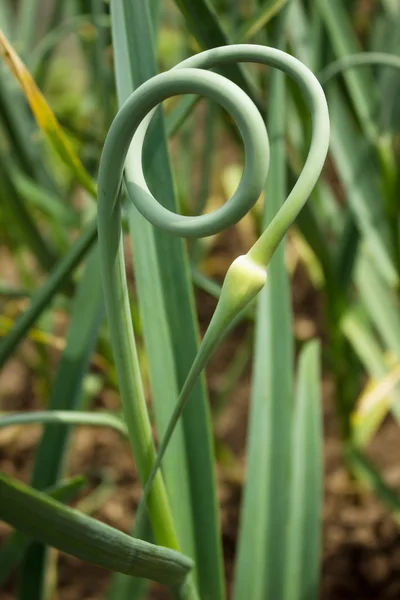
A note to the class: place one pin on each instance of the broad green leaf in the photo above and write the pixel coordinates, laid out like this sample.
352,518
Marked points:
302,560
128,18
41,517
262,537
160,260
87,316
15,546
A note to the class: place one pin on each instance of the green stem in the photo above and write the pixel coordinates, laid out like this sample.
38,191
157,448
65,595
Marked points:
246,276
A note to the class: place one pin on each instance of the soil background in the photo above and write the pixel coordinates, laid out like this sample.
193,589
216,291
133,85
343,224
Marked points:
361,541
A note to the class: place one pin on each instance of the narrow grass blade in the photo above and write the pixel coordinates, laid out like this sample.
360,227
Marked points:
10,291
101,361
29,13
155,10
392,7
358,329
374,404
30,233
232,375
359,177
129,588
346,256
302,560
18,126
363,94
55,17
370,477
44,116
351,153
43,50
64,417
262,540
42,298
33,585
358,173
7,16
381,303
204,24
102,74
360,84
369,413
87,316
363,59
15,546
42,518
44,200
264,14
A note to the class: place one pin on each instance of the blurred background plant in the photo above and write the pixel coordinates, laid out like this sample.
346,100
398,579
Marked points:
341,261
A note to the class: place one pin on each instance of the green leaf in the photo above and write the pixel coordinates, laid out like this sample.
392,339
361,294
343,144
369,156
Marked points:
18,126
44,116
261,17
162,273
367,473
124,587
87,316
262,542
344,42
367,416
302,560
44,519
43,199
30,233
381,303
40,301
15,546
204,24
359,176
138,59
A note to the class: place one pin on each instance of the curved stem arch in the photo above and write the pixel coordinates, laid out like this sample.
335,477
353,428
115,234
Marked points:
122,153
362,59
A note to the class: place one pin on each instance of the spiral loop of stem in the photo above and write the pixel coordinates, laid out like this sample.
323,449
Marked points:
122,154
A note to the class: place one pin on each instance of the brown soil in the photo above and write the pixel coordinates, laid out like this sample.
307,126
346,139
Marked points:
361,541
